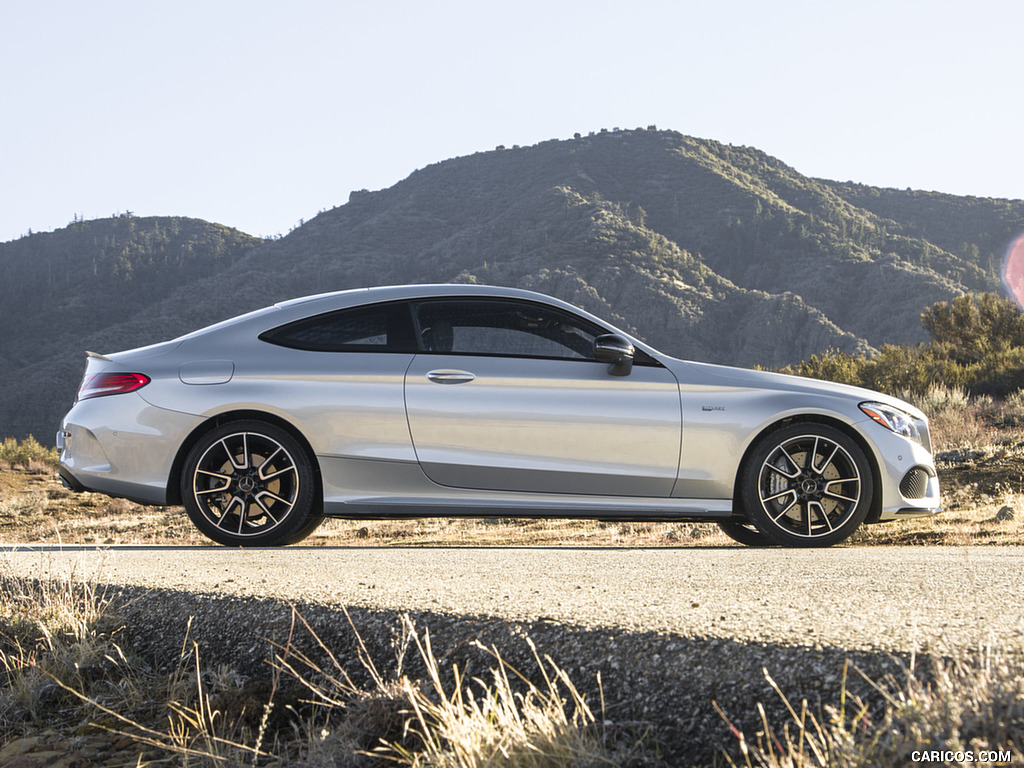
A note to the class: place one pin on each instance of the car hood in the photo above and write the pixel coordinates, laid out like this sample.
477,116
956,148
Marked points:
723,375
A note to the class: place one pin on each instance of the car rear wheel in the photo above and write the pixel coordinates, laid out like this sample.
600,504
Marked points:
250,484
807,485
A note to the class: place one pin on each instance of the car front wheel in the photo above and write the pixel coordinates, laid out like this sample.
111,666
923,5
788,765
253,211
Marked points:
250,484
743,532
807,485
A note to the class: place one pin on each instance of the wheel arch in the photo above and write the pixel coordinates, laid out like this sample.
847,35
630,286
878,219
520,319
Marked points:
874,512
174,479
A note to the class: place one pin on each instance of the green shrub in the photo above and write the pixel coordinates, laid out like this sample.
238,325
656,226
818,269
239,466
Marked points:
831,366
977,345
27,451
975,326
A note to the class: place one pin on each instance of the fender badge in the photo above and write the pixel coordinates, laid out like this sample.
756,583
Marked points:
712,407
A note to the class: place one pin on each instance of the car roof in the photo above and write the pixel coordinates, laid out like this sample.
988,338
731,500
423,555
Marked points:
356,296
306,306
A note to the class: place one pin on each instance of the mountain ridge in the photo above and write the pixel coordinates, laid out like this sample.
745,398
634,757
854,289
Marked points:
707,251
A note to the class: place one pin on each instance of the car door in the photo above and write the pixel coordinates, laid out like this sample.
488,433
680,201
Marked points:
506,396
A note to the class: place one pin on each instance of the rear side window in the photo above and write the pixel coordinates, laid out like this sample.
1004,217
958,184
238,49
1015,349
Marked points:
377,328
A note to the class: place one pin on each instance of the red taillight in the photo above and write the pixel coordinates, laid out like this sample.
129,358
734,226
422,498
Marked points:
111,384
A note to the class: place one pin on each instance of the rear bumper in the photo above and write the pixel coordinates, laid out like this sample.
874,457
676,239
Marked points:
70,482
121,446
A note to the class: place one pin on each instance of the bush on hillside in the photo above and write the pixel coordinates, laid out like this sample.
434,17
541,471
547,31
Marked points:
977,344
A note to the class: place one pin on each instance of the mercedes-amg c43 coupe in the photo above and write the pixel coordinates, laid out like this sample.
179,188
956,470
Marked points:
467,400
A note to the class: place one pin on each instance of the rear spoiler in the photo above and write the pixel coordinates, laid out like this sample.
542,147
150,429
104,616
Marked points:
98,356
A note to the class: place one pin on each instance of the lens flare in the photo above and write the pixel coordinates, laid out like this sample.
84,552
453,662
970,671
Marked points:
1013,271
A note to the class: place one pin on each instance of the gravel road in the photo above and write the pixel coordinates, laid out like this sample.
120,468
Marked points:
891,599
669,631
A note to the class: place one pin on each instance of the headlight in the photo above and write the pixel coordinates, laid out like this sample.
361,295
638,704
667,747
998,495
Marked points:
894,419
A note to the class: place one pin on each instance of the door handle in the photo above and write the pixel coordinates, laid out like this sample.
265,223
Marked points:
450,377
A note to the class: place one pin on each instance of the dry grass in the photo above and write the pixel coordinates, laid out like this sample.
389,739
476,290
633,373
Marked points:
967,704
445,719
36,509
63,668
57,629
512,532
64,672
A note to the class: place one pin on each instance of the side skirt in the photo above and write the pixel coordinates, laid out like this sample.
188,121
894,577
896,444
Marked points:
661,510
362,489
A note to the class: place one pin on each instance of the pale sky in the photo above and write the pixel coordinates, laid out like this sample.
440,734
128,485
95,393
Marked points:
257,114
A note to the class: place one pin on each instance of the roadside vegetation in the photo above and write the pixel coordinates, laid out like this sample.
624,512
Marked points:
970,704
71,688
27,454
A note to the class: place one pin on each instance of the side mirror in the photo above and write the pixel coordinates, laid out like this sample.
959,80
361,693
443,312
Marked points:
615,350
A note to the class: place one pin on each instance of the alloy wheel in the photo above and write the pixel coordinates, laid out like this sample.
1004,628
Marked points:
246,484
809,486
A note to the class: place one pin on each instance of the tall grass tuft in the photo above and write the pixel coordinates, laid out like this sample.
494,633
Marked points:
938,398
460,723
970,703
197,734
52,631
460,728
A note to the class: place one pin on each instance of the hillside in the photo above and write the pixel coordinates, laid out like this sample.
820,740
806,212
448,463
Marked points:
59,286
708,251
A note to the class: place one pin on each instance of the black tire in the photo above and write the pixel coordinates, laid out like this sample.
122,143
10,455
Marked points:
806,485
743,532
305,531
250,484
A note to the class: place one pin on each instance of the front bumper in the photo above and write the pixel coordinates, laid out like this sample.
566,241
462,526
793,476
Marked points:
910,484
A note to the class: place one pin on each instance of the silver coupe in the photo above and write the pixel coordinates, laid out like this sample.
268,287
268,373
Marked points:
467,400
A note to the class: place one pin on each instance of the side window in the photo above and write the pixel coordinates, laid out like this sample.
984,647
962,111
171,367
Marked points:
498,327
378,328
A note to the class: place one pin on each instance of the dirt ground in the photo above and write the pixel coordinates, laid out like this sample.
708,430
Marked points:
983,502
